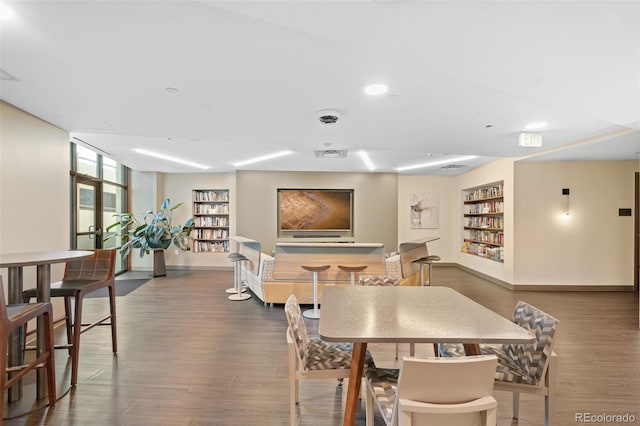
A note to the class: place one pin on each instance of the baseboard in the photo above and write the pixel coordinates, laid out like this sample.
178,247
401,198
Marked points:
542,287
485,276
536,287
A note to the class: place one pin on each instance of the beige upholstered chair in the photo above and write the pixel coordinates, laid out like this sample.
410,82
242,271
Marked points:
524,368
14,317
434,392
83,276
312,358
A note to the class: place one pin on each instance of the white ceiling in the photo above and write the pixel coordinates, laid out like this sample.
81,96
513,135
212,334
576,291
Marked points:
252,75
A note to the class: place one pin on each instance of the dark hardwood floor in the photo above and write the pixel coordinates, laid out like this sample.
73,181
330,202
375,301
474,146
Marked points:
189,356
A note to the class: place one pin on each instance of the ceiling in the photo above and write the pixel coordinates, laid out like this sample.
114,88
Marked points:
464,78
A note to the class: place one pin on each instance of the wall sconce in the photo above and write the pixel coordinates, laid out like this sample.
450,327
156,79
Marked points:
565,194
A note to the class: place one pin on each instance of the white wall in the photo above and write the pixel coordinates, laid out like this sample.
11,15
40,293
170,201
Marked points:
449,221
594,246
178,188
34,188
146,193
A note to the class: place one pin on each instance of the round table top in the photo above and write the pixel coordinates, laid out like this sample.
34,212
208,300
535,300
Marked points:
9,260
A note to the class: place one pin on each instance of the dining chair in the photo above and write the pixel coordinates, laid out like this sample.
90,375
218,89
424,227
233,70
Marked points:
14,317
81,277
312,358
523,368
434,391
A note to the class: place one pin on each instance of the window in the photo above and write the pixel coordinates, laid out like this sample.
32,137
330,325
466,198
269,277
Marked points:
99,190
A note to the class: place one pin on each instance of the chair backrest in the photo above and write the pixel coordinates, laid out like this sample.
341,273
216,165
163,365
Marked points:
98,267
297,328
382,280
534,357
447,380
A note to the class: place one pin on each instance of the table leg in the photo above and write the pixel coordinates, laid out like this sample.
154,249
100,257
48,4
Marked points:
16,353
471,349
355,380
43,293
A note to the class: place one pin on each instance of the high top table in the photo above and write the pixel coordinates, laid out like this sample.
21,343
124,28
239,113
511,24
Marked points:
363,314
15,262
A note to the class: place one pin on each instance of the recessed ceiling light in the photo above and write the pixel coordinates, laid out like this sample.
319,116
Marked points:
171,90
437,163
170,158
262,158
376,89
536,125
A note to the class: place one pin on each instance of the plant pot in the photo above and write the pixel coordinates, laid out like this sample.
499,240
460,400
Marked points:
159,269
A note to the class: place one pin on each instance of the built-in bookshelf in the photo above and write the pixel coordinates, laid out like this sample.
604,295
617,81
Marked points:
211,215
483,221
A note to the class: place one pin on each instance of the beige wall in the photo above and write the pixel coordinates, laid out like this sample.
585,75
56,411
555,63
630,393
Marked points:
499,170
375,203
178,187
595,245
34,187
447,232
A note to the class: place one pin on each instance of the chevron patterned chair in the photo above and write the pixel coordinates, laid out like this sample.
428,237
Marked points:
434,391
313,358
523,368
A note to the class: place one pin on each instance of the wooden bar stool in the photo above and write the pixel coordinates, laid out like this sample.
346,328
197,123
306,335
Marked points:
352,269
315,312
427,260
237,260
234,289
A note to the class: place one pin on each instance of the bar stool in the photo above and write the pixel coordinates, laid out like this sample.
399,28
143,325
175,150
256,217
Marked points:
315,312
237,260
234,289
427,260
352,270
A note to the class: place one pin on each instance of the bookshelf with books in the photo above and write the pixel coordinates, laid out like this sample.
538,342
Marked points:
483,221
211,214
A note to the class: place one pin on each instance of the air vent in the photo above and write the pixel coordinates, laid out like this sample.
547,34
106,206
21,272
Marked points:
331,153
453,166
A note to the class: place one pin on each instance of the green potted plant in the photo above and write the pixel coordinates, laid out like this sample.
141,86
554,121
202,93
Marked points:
153,230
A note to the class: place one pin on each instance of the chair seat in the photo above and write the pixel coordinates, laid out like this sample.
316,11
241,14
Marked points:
15,311
384,383
322,355
506,371
67,288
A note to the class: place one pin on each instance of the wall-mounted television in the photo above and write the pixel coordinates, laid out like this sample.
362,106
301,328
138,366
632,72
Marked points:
315,212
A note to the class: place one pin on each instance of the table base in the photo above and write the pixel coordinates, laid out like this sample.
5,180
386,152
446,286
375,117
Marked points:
311,313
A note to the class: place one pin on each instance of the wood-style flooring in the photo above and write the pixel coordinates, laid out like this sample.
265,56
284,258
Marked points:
189,356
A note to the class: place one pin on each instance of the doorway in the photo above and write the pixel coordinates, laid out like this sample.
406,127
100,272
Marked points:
88,221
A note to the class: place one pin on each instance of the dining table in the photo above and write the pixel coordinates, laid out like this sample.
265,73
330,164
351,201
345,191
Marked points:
15,263
407,314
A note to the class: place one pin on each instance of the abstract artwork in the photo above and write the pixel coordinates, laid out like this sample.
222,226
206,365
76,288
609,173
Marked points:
424,210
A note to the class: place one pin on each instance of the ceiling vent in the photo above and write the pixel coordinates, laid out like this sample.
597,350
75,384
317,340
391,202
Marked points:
453,166
331,153
328,116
